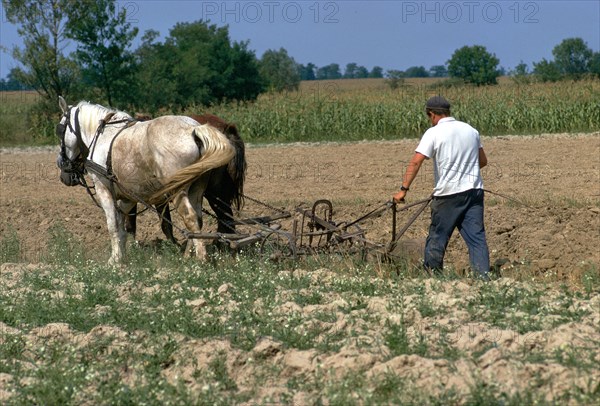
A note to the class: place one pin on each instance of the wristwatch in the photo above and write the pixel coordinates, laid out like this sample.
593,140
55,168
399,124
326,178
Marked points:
405,189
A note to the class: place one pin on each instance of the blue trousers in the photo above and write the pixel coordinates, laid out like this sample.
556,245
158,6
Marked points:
463,211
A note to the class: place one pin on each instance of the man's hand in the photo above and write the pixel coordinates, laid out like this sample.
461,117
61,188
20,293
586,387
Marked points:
399,197
411,172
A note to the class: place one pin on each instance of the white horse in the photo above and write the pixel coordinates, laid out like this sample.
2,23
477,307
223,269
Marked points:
153,161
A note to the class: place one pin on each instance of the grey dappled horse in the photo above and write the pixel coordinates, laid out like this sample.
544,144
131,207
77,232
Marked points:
168,158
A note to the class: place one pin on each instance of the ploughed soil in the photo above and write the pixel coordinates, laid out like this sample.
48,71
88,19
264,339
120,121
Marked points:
550,223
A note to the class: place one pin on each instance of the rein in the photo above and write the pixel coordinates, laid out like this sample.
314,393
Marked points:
512,199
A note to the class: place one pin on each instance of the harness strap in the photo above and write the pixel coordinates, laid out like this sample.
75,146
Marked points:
130,123
92,166
83,149
89,189
99,131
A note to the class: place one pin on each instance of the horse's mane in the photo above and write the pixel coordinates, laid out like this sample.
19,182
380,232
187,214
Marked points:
90,115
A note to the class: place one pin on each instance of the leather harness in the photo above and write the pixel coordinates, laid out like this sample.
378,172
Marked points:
80,164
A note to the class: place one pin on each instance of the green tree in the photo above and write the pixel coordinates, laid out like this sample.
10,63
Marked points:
104,37
41,25
474,65
595,64
196,64
279,71
331,71
572,57
350,71
12,83
307,72
376,72
156,85
546,71
438,71
361,72
394,78
521,73
244,81
416,72
354,71
521,69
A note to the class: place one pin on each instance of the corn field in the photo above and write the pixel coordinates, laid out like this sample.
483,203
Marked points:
363,109
345,111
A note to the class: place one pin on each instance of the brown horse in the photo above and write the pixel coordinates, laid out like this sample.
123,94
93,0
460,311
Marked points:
225,186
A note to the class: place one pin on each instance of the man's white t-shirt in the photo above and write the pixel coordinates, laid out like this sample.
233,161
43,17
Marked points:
454,147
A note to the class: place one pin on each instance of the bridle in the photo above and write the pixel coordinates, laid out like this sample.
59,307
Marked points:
75,166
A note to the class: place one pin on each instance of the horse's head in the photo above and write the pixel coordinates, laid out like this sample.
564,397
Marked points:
73,151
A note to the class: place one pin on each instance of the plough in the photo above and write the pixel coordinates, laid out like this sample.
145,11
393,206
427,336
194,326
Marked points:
314,231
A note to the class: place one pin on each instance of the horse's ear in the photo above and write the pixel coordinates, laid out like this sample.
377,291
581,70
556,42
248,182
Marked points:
62,104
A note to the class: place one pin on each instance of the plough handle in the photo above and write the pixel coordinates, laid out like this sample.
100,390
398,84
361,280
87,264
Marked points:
395,237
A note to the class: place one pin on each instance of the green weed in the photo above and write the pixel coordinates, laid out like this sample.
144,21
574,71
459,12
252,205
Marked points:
10,247
63,247
399,342
590,280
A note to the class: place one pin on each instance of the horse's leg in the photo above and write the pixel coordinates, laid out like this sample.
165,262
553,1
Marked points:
189,206
224,214
222,209
166,224
131,222
115,221
219,194
165,221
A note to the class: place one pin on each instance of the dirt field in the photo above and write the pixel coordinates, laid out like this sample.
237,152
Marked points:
557,178
323,338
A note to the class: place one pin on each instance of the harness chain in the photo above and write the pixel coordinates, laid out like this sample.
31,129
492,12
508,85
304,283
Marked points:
280,211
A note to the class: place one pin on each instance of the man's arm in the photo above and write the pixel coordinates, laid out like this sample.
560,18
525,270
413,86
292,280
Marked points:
482,158
411,172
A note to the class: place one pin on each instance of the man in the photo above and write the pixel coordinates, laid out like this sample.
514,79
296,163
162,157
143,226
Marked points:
458,156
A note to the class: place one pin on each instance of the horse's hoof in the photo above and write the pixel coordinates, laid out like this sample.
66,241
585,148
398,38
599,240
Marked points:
115,262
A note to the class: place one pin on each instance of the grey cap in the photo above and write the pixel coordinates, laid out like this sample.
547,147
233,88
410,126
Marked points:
437,103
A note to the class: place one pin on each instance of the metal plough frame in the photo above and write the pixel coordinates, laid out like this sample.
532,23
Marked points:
314,231
317,232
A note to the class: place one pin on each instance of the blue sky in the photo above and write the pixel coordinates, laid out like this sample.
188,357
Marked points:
390,34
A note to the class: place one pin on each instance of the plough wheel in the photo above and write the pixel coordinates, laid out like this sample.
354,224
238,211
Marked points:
278,246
